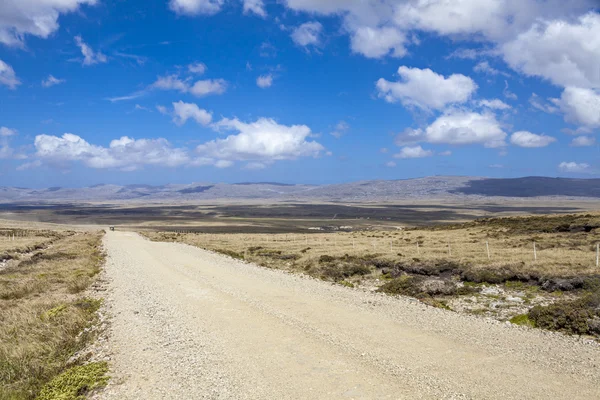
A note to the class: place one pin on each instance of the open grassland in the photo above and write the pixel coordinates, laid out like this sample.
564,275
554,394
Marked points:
44,313
449,265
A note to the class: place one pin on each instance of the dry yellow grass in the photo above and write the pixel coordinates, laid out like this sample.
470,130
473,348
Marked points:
558,253
43,312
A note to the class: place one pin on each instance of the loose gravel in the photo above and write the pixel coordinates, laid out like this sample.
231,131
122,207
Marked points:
191,324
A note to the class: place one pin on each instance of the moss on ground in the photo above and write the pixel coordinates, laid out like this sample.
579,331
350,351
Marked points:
76,382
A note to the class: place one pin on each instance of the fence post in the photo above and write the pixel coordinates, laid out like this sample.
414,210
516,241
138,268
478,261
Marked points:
597,254
487,246
449,249
534,252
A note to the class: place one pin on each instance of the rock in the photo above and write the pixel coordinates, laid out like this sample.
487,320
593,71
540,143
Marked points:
594,325
438,287
513,299
491,291
562,284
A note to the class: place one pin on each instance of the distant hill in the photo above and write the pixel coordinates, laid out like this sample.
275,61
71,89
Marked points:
435,187
532,186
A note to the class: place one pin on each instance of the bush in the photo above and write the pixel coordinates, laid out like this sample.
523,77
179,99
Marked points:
568,316
405,285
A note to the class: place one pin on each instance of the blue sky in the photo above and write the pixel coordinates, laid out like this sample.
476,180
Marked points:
176,91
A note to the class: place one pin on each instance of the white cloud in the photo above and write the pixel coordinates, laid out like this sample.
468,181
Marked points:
580,106
496,166
413,152
308,34
8,76
199,88
263,141
29,165
51,81
468,54
340,129
538,103
484,67
583,141
507,93
530,140
573,167
426,89
458,127
5,150
125,153
208,86
128,97
255,6
4,131
494,104
378,42
39,18
195,7
264,81
162,110
184,111
445,153
90,57
566,53
390,164
197,68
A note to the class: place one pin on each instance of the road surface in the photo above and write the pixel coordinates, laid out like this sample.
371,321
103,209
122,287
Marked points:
191,324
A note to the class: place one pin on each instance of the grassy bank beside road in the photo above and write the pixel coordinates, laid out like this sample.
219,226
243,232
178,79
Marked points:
43,313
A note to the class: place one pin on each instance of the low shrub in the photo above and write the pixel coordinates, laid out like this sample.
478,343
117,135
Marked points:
573,317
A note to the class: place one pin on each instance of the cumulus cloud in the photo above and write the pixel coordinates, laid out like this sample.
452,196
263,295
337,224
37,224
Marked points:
575,168
494,104
196,7
340,129
38,18
264,81
580,106
530,140
263,141
564,52
458,127
90,57
51,81
413,152
255,6
378,42
308,34
197,68
125,153
199,88
583,141
8,76
184,111
426,89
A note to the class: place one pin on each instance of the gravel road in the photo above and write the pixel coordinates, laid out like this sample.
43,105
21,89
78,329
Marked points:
191,324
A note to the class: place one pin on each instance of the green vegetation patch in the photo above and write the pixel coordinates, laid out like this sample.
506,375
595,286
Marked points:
523,320
76,382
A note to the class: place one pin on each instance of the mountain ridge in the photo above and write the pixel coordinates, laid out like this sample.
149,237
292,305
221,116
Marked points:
438,187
